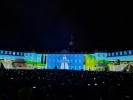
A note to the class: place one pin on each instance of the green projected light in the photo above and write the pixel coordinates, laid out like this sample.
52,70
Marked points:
36,63
90,61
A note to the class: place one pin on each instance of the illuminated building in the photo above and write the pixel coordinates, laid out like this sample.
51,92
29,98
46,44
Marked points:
30,57
65,60
70,61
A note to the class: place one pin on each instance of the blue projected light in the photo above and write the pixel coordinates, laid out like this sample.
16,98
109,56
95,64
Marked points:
125,53
6,52
13,53
10,53
21,54
17,53
130,52
65,61
120,53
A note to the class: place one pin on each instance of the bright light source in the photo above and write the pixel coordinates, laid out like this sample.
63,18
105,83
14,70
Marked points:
34,87
88,84
95,83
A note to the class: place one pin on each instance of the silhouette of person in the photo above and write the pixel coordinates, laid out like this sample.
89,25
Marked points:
55,67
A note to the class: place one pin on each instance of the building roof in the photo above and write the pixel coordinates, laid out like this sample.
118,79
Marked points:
64,51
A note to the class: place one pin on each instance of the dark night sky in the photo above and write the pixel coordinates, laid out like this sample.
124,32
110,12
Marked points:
48,24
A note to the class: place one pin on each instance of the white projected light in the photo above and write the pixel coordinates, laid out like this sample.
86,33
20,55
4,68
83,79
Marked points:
64,63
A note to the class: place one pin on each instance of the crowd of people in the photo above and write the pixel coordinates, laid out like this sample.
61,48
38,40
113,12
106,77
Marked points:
65,85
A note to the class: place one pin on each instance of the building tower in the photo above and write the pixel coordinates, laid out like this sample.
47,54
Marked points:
71,44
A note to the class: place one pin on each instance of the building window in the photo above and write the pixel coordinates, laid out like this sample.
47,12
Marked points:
10,53
120,53
125,53
1,52
79,67
116,53
112,54
130,52
17,53
5,52
21,54
13,53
